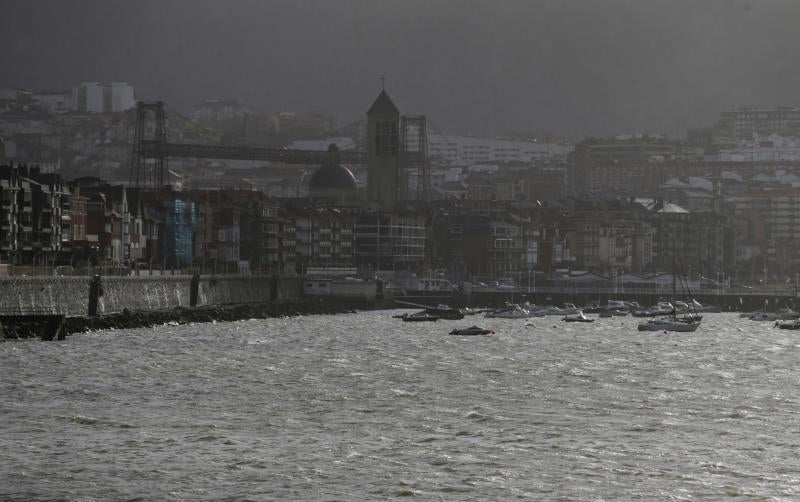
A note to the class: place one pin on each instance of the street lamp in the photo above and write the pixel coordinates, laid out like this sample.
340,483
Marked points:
529,279
36,255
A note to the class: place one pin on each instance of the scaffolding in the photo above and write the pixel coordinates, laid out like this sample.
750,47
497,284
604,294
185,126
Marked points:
414,163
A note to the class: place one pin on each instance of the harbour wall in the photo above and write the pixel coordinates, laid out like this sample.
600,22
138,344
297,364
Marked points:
81,296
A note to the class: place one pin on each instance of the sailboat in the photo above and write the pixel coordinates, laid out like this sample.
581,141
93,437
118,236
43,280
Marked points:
687,322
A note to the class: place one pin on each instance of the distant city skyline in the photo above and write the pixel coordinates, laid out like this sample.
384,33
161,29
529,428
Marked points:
568,68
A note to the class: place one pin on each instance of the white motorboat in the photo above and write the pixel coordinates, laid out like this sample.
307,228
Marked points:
577,317
793,324
570,308
662,308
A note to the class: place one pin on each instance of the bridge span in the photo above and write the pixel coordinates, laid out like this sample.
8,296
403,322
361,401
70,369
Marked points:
157,149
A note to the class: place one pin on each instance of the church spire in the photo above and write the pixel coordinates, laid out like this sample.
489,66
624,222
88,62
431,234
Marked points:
383,105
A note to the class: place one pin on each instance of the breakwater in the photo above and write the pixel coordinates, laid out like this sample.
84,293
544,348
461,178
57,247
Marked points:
25,327
210,313
52,307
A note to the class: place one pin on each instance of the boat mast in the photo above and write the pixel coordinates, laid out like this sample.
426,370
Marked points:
674,289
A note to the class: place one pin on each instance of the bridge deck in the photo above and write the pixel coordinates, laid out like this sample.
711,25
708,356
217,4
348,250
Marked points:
156,149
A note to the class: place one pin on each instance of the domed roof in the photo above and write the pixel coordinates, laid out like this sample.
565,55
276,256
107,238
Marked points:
332,175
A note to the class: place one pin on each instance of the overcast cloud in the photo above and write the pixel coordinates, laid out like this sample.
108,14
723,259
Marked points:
574,67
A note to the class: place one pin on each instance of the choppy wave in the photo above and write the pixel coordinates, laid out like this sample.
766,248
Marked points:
363,407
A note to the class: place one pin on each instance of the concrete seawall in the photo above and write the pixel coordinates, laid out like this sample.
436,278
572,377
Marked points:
71,295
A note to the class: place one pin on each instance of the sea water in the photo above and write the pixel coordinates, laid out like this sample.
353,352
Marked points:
366,407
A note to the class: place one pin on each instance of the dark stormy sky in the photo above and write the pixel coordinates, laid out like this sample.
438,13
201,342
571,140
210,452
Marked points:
573,67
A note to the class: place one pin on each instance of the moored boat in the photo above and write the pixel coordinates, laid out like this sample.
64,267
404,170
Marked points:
679,325
420,317
614,313
577,317
765,316
472,331
445,312
662,308
513,311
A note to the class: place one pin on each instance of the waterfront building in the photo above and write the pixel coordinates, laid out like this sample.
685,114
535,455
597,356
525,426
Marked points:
176,215
268,237
74,215
46,193
693,242
10,187
324,238
99,224
767,231
611,236
216,232
479,240
108,221
390,241
479,246
143,240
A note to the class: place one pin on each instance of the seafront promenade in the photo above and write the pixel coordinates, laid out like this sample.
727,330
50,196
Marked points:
99,295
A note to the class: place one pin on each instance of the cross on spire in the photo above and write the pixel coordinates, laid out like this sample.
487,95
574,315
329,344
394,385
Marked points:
383,82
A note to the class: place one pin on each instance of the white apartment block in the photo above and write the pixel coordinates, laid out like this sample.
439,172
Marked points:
469,150
94,97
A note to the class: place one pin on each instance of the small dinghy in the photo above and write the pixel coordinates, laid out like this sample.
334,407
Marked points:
472,331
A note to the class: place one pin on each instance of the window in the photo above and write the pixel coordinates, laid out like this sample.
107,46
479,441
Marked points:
386,139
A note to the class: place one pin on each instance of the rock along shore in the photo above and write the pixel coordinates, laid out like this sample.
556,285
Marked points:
128,319
144,319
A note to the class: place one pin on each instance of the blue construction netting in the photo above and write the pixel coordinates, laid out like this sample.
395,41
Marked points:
177,230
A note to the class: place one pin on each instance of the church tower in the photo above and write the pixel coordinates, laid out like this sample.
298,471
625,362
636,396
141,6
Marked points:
383,152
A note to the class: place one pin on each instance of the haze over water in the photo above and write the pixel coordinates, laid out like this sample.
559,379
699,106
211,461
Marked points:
365,407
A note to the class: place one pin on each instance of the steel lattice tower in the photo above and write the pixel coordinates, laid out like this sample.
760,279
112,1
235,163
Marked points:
149,143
